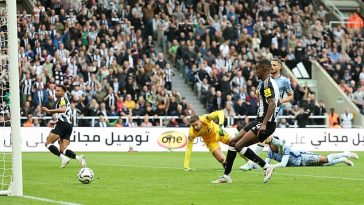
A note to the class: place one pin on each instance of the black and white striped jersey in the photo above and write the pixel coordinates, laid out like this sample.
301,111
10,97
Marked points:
66,116
169,75
26,87
269,89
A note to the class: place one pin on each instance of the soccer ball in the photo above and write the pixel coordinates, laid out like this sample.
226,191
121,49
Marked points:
85,175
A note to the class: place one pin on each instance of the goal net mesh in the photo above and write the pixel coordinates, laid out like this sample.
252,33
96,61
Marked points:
5,115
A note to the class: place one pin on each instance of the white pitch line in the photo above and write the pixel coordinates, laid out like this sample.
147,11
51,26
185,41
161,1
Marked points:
318,176
141,166
49,200
294,175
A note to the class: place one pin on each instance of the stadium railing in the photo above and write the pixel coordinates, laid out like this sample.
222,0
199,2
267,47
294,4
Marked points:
344,22
230,120
331,6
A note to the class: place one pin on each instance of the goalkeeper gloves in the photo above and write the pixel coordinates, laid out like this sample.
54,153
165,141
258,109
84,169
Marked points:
221,130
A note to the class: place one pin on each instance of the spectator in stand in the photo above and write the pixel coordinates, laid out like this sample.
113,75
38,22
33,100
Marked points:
146,122
40,96
168,77
346,119
172,123
102,122
302,117
25,110
252,103
94,38
129,102
283,123
3,122
229,112
129,122
218,102
333,117
358,96
185,122
29,122
241,107
320,110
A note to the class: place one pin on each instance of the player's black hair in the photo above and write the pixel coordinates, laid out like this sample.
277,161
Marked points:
64,88
265,64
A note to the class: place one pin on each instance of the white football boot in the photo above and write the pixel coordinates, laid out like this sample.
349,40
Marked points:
268,173
64,161
223,179
348,162
351,155
82,160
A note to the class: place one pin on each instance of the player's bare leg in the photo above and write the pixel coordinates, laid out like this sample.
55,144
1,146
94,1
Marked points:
219,156
69,153
242,147
230,157
49,144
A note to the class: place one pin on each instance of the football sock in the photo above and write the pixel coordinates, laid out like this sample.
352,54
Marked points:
334,161
54,149
70,154
63,157
331,157
78,157
230,157
252,156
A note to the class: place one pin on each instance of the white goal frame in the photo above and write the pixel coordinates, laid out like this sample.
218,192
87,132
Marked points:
16,185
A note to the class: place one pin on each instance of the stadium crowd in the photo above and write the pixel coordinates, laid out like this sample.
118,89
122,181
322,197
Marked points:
105,53
341,51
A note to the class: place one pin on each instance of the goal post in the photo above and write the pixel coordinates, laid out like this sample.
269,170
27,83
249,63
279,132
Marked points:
12,161
17,184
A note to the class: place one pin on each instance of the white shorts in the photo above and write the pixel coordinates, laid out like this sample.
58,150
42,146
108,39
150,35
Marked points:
310,159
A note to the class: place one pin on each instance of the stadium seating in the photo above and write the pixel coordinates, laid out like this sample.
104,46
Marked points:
106,53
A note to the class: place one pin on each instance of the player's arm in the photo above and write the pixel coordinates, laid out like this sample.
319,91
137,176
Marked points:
186,163
270,111
220,115
283,162
62,108
269,95
288,90
59,110
217,114
288,98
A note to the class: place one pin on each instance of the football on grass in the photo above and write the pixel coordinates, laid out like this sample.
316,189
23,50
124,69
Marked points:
85,175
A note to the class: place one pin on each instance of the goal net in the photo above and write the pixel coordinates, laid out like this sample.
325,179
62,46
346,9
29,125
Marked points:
5,145
10,138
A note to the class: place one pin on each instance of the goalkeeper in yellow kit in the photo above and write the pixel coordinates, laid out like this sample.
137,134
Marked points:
211,133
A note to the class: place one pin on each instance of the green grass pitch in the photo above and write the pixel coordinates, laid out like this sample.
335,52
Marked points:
158,178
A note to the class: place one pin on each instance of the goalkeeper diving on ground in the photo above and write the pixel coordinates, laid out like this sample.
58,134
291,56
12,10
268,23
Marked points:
211,133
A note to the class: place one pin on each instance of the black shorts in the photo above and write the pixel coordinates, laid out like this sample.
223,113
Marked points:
254,127
63,129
